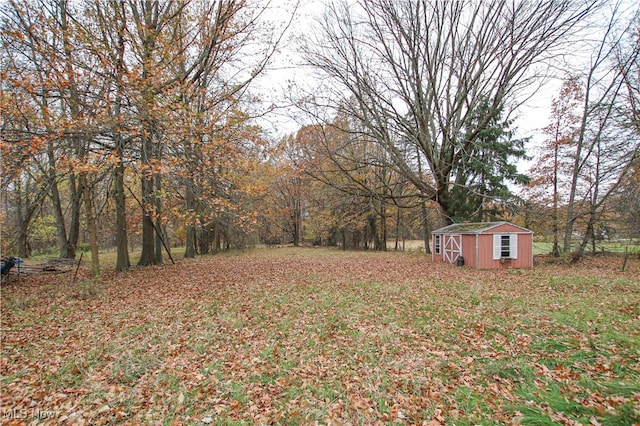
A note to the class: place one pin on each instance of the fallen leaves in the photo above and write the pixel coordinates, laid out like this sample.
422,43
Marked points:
298,336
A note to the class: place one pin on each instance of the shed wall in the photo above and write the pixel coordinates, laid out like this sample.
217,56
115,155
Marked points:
437,257
485,248
469,249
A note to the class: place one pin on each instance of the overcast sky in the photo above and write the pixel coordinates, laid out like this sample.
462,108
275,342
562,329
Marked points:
287,69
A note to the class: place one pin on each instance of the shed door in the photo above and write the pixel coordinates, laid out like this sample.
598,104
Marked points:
451,247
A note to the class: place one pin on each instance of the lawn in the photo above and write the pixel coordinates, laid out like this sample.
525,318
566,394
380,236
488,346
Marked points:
295,336
613,247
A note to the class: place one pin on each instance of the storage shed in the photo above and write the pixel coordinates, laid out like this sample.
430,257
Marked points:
486,245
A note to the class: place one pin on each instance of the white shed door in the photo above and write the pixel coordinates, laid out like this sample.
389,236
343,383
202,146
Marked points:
451,247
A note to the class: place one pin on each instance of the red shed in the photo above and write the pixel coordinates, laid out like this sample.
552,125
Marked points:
487,245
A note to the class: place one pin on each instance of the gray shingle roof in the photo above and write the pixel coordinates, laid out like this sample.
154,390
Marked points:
472,228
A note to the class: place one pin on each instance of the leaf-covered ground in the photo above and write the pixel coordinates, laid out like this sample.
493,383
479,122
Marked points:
286,336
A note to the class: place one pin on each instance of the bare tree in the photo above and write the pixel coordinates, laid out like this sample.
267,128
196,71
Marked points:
108,43
552,170
628,196
607,149
418,70
342,156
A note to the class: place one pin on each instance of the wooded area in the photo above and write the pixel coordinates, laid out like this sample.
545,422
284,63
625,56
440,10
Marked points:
135,125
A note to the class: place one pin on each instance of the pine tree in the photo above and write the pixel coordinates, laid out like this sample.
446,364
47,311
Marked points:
483,174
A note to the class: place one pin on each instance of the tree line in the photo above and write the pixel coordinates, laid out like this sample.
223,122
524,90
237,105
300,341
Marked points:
133,123
113,103
435,87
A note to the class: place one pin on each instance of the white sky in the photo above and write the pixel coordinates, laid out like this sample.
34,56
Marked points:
532,116
287,68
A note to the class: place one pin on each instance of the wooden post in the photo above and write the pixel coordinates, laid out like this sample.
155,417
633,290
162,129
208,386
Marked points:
626,256
77,267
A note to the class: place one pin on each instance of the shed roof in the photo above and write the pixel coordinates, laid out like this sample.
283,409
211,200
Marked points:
474,228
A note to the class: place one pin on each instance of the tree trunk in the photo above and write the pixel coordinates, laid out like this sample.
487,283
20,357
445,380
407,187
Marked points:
446,207
217,235
593,209
382,240
66,251
67,242
76,207
585,239
122,244
296,219
147,22
147,256
190,248
423,210
23,243
24,213
91,225
398,229
123,262
555,251
425,227
373,230
23,230
158,227
74,101
204,241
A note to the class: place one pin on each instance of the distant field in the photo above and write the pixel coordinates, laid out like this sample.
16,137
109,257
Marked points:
616,247
298,336
539,247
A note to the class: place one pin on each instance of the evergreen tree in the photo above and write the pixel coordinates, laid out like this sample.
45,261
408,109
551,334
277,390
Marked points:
481,177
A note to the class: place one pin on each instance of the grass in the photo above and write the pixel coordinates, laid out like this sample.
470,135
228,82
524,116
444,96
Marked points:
295,336
608,247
